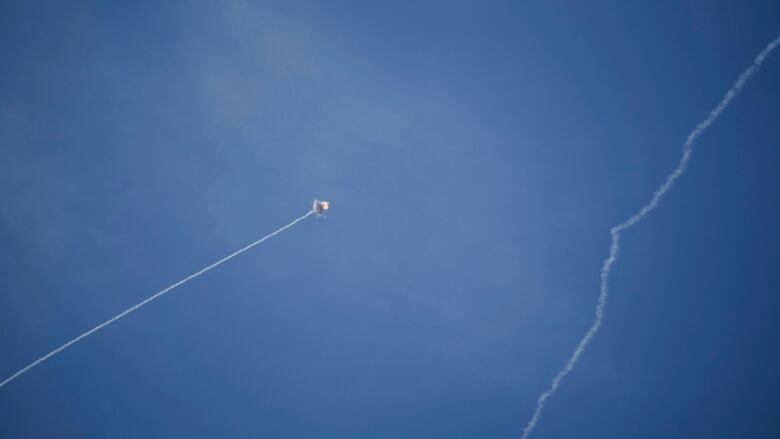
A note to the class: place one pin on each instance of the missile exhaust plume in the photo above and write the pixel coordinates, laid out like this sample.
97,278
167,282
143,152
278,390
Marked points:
615,232
147,300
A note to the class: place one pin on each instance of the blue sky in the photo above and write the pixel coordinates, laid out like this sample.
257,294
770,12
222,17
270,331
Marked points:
476,157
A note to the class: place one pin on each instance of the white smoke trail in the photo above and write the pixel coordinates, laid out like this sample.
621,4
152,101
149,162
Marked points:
145,301
687,151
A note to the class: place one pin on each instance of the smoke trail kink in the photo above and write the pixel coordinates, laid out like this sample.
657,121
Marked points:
145,301
639,216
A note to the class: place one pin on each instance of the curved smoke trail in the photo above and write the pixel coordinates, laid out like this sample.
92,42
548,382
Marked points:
687,151
145,301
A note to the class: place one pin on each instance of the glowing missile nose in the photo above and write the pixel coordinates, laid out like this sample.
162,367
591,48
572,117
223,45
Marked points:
320,206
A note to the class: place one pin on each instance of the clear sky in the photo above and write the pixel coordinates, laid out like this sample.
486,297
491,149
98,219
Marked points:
475,154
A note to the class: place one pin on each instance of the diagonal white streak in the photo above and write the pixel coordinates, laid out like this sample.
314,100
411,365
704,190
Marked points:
687,151
145,301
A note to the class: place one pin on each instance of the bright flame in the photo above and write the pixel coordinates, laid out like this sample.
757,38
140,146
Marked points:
324,205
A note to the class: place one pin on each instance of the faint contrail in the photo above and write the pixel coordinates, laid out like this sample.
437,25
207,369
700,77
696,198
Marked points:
145,301
639,216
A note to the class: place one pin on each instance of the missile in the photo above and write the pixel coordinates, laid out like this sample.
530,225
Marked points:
320,207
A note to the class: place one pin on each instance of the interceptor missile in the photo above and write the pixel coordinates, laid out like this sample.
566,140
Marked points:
320,207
